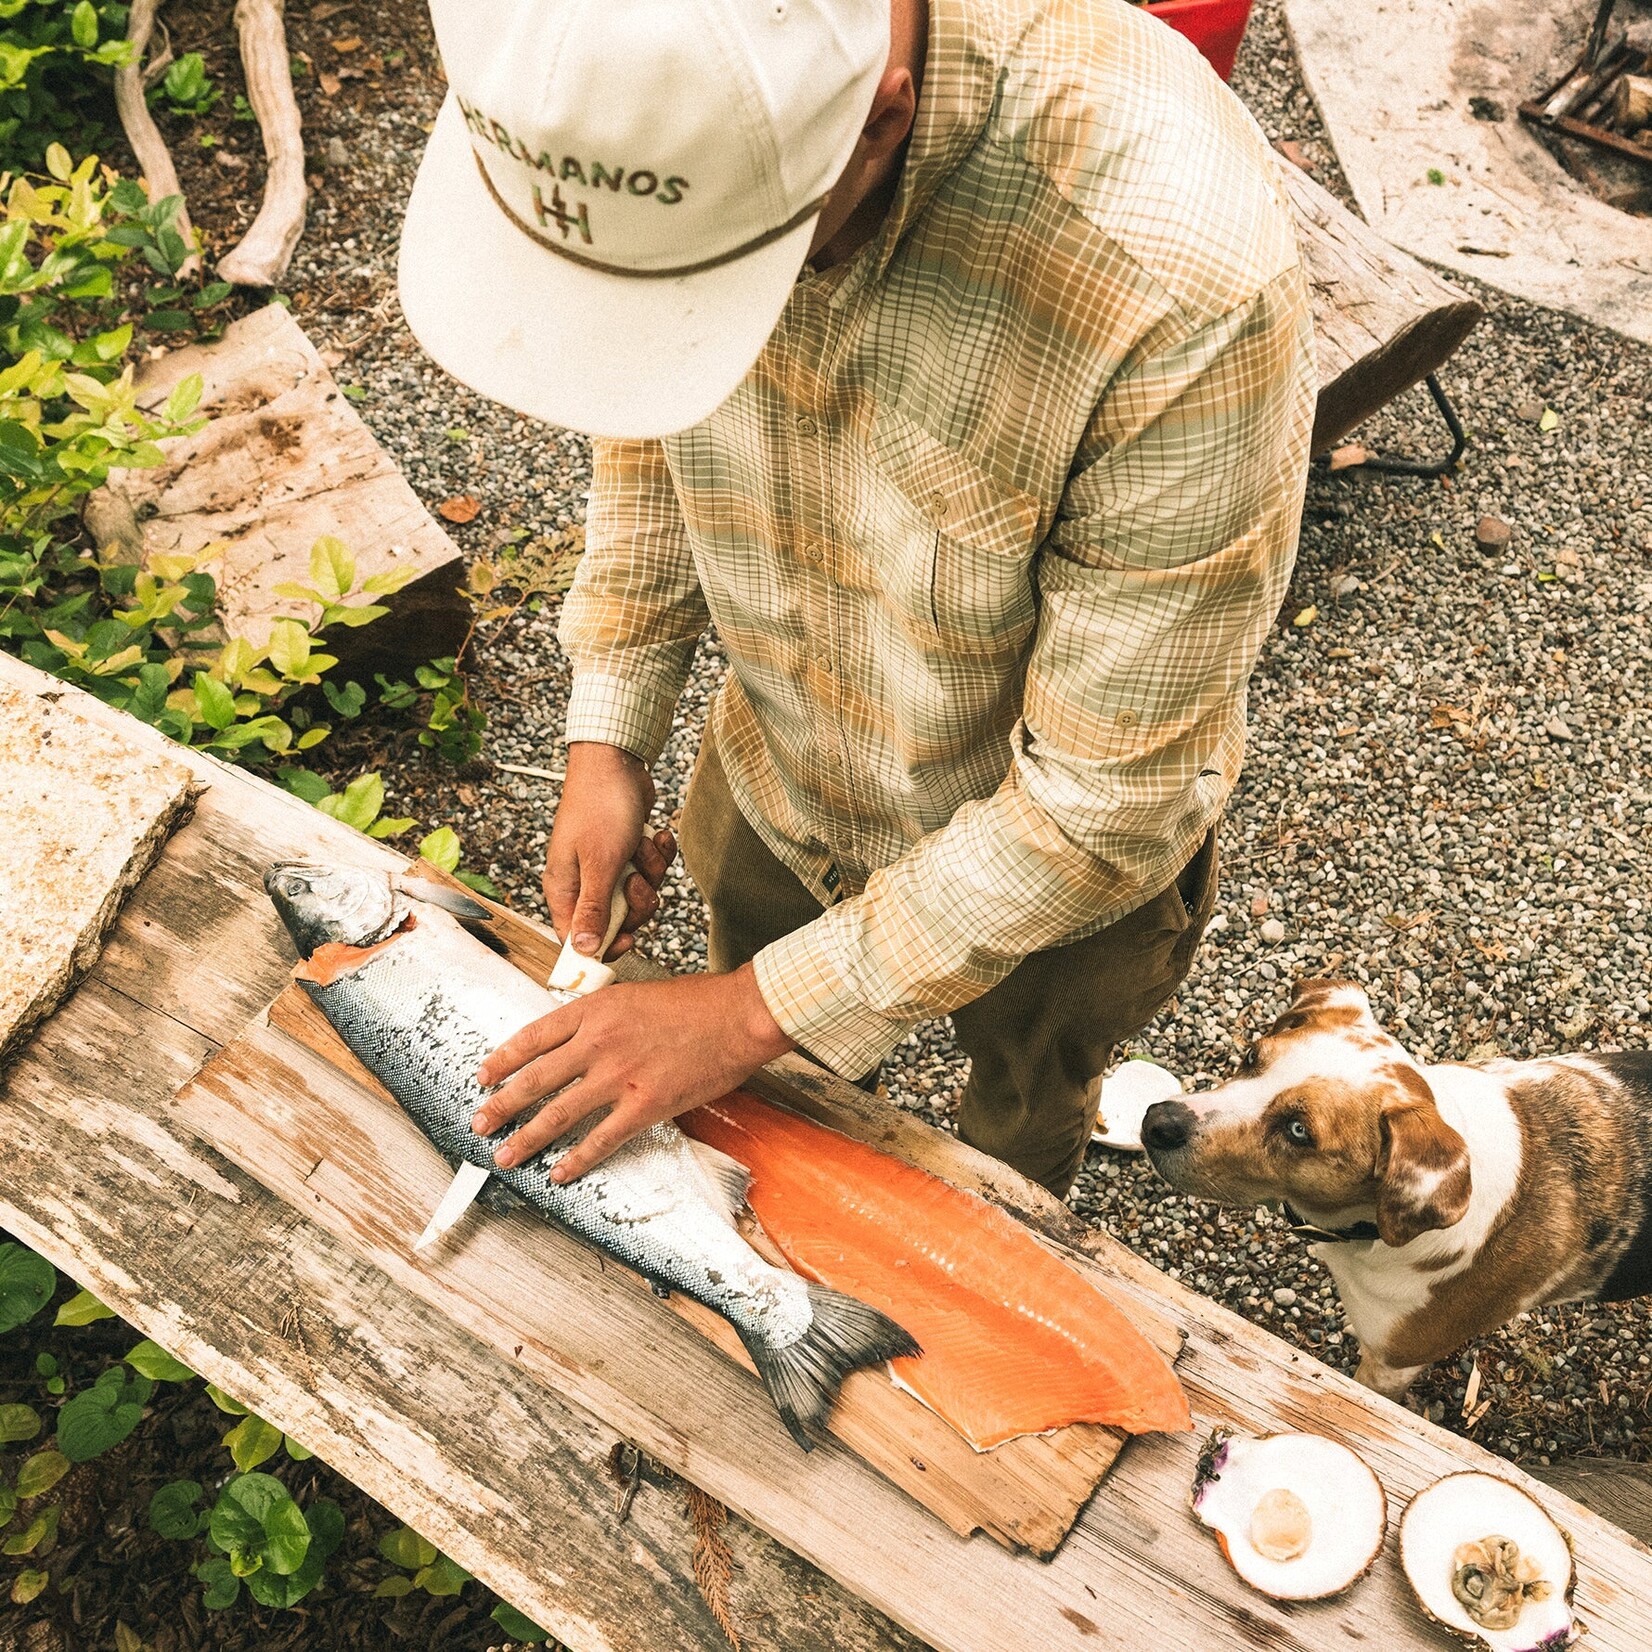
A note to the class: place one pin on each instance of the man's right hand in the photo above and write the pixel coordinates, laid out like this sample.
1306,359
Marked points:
607,797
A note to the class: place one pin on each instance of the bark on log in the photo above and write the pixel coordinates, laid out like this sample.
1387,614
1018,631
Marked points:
1382,320
261,257
154,158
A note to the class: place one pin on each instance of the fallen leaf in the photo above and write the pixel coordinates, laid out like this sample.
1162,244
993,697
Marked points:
1348,456
1306,617
1549,420
1294,153
329,83
463,507
1443,716
351,44
1437,540
1339,653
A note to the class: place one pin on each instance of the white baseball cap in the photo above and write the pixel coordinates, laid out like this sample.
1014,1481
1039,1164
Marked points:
618,194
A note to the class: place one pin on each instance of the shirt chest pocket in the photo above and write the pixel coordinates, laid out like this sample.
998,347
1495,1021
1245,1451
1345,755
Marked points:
953,546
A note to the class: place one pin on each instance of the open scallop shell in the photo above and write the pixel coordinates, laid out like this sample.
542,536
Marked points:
1126,1094
1467,1508
1298,1516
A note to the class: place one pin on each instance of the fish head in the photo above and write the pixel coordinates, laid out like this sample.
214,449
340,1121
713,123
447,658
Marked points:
345,904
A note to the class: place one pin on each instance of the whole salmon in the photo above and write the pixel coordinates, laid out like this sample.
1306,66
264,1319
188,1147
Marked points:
421,1000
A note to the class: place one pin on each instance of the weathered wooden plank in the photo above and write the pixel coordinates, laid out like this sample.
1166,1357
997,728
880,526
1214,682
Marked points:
462,1444
274,1114
1135,1571
85,818
284,461
1027,1492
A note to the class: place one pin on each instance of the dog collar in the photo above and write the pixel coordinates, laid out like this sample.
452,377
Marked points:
1358,1233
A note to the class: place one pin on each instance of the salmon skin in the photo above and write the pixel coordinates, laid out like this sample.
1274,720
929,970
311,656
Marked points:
420,1002
1014,1341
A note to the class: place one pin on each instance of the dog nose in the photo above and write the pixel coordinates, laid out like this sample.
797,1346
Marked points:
1166,1126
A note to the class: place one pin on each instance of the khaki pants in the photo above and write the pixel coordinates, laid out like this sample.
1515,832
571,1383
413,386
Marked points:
1038,1041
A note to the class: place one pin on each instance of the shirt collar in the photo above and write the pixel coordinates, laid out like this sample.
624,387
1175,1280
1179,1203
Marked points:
969,41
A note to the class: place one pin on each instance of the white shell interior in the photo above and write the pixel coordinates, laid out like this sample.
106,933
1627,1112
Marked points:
1344,1501
1126,1094
1463,1508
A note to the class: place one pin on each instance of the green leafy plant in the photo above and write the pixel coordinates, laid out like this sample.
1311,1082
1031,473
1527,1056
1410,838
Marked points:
186,87
56,60
518,1627
255,1535
423,1567
27,1282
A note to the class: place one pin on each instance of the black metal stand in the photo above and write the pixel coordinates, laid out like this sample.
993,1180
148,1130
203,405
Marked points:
1426,467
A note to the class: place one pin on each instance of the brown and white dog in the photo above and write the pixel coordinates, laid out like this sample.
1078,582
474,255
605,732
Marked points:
1446,1199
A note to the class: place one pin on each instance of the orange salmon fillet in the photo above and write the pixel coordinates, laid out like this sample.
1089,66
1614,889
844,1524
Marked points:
1014,1341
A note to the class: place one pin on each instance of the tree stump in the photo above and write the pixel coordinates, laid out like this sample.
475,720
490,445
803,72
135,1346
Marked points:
284,460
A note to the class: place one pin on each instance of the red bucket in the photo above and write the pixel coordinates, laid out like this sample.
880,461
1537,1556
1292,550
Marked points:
1215,26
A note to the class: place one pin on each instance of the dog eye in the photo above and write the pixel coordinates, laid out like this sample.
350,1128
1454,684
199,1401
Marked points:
1250,1058
1297,1131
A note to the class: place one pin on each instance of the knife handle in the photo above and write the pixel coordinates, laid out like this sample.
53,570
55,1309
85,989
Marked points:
575,972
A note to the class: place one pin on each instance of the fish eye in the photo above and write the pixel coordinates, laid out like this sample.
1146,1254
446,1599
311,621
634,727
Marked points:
1298,1133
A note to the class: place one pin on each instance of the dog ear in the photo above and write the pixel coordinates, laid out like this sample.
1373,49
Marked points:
1314,995
1423,1180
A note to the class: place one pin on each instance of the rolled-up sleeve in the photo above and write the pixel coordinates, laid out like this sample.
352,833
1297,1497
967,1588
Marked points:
1163,573
635,611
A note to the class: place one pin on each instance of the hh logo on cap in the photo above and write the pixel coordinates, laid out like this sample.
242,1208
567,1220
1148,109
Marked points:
569,169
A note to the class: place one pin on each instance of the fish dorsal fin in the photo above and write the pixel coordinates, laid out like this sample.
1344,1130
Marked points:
729,1178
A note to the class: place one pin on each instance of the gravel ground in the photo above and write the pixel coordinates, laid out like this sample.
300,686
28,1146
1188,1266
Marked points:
1447,796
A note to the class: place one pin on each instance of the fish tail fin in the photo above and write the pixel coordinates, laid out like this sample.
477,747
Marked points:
844,1335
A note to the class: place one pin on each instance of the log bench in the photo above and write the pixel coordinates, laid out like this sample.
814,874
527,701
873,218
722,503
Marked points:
1382,321
116,1167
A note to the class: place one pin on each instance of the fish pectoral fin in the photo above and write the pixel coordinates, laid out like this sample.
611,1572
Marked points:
468,1181
454,902
728,1178
475,918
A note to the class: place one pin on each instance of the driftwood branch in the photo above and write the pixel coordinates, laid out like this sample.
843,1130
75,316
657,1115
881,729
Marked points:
154,159
261,257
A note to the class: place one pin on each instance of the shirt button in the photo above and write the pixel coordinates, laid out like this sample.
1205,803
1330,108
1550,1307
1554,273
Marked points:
805,425
937,506
1127,719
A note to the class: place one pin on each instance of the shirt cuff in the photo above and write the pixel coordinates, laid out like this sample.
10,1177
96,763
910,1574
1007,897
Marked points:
614,711
818,1009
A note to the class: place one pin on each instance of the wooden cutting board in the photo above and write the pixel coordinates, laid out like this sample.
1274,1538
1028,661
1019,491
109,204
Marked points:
290,1105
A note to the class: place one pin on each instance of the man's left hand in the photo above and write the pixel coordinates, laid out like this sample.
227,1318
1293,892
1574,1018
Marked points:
646,1051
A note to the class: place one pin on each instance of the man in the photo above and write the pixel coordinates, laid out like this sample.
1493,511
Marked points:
992,504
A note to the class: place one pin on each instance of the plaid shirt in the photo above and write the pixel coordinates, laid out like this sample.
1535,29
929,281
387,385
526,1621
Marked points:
992,531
